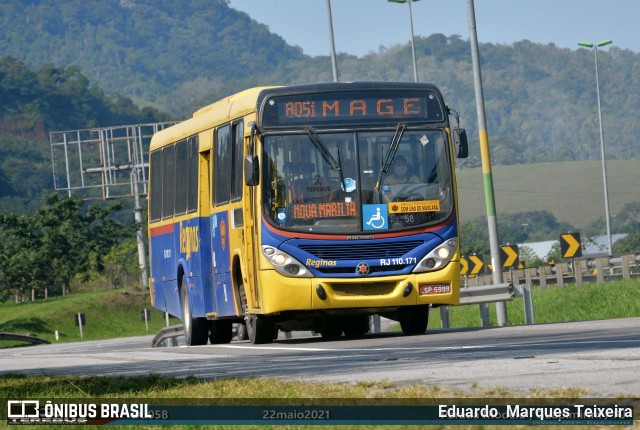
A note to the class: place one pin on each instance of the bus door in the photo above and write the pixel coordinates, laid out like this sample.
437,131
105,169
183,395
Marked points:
251,222
226,217
224,303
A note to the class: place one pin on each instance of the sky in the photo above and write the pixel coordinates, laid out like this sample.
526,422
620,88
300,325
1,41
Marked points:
363,26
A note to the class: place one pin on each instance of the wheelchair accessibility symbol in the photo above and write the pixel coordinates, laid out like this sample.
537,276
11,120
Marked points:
374,217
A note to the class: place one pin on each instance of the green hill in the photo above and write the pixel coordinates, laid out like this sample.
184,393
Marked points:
572,191
178,56
108,314
169,53
70,64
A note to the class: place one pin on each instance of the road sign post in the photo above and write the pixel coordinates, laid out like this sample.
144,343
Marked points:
80,321
146,317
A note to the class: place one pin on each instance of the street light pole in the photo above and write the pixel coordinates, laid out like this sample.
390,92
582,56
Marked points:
334,65
492,221
602,152
413,46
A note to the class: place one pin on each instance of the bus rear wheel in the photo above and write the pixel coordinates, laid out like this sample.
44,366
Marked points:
196,330
220,331
260,328
414,319
241,331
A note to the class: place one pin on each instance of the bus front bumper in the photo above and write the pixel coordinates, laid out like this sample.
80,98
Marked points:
281,294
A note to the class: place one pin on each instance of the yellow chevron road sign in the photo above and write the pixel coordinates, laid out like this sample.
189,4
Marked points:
464,266
471,265
570,245
477,264
509,256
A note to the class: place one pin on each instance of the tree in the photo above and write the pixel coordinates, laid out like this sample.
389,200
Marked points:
628,245
529,258
21,265
47,249
474,239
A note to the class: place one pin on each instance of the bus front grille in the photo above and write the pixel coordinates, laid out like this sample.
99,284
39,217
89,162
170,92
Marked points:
362,251
351,270
373,289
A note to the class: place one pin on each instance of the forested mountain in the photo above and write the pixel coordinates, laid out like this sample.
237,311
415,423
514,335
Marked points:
178,56
36,102
170,53
76,64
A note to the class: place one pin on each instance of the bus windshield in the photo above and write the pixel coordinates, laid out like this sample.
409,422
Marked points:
335,182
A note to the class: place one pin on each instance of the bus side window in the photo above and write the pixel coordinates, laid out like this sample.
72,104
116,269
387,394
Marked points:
182,170
155,196
237,161
192,176
222,165
168,181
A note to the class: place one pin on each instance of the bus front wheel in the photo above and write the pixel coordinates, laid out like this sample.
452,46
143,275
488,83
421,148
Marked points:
260,328
414,319
196,330
357,325
330,328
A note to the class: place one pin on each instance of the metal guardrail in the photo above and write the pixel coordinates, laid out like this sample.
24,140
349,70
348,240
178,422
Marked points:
485,294
23,338
587,269
165,334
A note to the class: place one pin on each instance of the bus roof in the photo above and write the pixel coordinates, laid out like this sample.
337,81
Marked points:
251,99
204,118
345,86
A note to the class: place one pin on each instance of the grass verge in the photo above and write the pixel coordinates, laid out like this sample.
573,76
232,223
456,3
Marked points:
108,314
616,299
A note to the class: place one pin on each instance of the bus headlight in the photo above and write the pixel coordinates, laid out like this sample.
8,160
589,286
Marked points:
438,258
285,264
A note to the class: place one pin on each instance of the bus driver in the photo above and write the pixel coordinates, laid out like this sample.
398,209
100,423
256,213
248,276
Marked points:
401,174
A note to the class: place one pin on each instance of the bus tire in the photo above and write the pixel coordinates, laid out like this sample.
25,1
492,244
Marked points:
356,325
330,328
241,331
414,319
196,330
220,331
260,329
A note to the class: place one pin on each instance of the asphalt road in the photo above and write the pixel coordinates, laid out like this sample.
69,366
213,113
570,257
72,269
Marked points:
602,357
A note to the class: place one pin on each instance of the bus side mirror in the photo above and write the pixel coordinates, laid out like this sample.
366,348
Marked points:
251,170
462,145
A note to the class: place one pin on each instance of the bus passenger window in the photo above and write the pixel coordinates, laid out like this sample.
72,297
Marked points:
182,169
192,175
238,140
222,164
155,196
168,180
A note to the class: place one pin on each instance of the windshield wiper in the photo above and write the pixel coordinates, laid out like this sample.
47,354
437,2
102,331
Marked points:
336,165
391,153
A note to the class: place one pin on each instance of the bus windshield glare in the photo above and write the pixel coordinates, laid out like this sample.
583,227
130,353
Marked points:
335,182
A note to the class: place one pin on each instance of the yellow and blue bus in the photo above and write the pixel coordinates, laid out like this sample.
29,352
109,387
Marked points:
308,207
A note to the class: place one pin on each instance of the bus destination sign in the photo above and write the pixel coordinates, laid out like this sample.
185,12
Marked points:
346,107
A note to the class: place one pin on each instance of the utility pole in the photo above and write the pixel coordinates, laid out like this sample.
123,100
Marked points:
494,242
334,64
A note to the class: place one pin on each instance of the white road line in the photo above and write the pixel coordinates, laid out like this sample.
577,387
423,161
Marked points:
426,348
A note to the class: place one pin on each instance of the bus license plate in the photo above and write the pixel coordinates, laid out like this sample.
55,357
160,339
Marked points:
427,289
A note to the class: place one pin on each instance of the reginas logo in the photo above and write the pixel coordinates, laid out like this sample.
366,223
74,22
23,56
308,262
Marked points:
321,263
189,240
